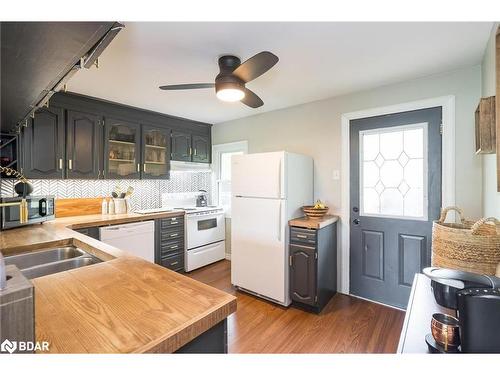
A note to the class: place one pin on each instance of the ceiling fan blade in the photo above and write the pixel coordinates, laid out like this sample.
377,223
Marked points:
251,99
256,66
189,86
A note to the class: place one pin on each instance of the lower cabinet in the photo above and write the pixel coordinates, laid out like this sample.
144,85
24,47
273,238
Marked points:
303,270
313,266
169,242
213,341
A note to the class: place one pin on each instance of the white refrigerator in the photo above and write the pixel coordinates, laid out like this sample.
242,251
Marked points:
268,189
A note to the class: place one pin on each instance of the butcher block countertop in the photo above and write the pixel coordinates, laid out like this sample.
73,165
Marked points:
308,223
122,305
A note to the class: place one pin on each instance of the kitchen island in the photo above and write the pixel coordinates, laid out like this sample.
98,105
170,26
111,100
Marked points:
122,305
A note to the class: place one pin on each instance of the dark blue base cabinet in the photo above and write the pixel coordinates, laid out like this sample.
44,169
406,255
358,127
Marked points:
212,341
313,265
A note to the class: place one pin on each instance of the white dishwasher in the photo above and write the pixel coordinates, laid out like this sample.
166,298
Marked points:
135,238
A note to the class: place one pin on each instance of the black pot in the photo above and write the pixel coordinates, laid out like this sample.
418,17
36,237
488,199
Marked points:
23,188
445,295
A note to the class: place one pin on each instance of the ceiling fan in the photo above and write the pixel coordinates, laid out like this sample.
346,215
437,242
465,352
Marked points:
230,82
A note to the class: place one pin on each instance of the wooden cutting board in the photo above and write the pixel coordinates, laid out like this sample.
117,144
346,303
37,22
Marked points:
78,206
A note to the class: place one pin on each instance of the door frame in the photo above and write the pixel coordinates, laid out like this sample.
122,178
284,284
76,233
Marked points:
447,103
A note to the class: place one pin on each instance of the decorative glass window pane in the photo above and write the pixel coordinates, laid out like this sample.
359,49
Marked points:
393,172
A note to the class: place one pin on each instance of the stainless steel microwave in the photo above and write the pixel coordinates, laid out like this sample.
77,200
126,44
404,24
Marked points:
40,209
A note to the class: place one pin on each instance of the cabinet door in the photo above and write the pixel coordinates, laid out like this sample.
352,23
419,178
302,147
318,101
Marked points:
201,149
121,149
155,152
43,144
83,145
303,274
181,146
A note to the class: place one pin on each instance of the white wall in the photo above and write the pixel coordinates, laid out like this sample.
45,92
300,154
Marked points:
491,198
315,129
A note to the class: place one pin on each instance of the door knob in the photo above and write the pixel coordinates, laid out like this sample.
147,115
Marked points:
355,209
356,221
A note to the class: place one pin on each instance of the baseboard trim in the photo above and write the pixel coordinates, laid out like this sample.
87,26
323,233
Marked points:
378,303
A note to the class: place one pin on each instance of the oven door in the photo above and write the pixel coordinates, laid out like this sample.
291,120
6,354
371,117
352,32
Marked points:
205,229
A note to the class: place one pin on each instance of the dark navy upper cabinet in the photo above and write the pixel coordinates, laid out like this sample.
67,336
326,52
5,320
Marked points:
84,137
155,147
181,146
201,149
43,144
122,158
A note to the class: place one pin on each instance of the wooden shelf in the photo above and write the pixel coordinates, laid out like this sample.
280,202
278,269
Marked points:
122,160
159,147
122,142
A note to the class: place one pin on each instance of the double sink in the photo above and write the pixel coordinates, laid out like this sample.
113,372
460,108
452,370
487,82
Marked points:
48,261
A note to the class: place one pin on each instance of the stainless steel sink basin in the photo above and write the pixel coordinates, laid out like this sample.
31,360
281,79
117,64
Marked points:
49,261
48,269
36,258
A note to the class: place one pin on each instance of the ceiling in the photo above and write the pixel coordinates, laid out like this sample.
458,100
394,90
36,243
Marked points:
317,61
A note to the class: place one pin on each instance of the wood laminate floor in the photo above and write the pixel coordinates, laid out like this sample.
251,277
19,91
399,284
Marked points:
346,325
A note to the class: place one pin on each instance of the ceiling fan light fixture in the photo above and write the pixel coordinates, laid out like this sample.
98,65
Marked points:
230,94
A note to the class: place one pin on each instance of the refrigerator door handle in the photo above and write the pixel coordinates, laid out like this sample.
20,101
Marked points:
279,179
279,224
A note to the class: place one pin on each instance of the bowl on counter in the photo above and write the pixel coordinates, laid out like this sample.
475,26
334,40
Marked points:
314,213
445,330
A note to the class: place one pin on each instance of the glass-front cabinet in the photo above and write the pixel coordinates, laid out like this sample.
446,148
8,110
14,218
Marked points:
155,152
122,149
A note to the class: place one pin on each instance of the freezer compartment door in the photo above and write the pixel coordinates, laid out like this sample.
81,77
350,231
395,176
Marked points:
258,175
258,247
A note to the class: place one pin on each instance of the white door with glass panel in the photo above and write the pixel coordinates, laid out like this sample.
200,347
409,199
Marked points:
395,164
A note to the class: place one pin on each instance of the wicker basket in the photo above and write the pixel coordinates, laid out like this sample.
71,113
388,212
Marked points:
469,246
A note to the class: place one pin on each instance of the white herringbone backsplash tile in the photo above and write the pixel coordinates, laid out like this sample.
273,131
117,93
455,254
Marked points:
147,193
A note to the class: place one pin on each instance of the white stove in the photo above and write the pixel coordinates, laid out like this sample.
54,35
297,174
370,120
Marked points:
205,229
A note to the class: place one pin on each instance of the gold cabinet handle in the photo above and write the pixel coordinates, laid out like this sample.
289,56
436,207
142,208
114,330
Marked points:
60,163
174,234
190,151
144,168
174,247
174,263
23,211
70,164
195,152
301,236
138,167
